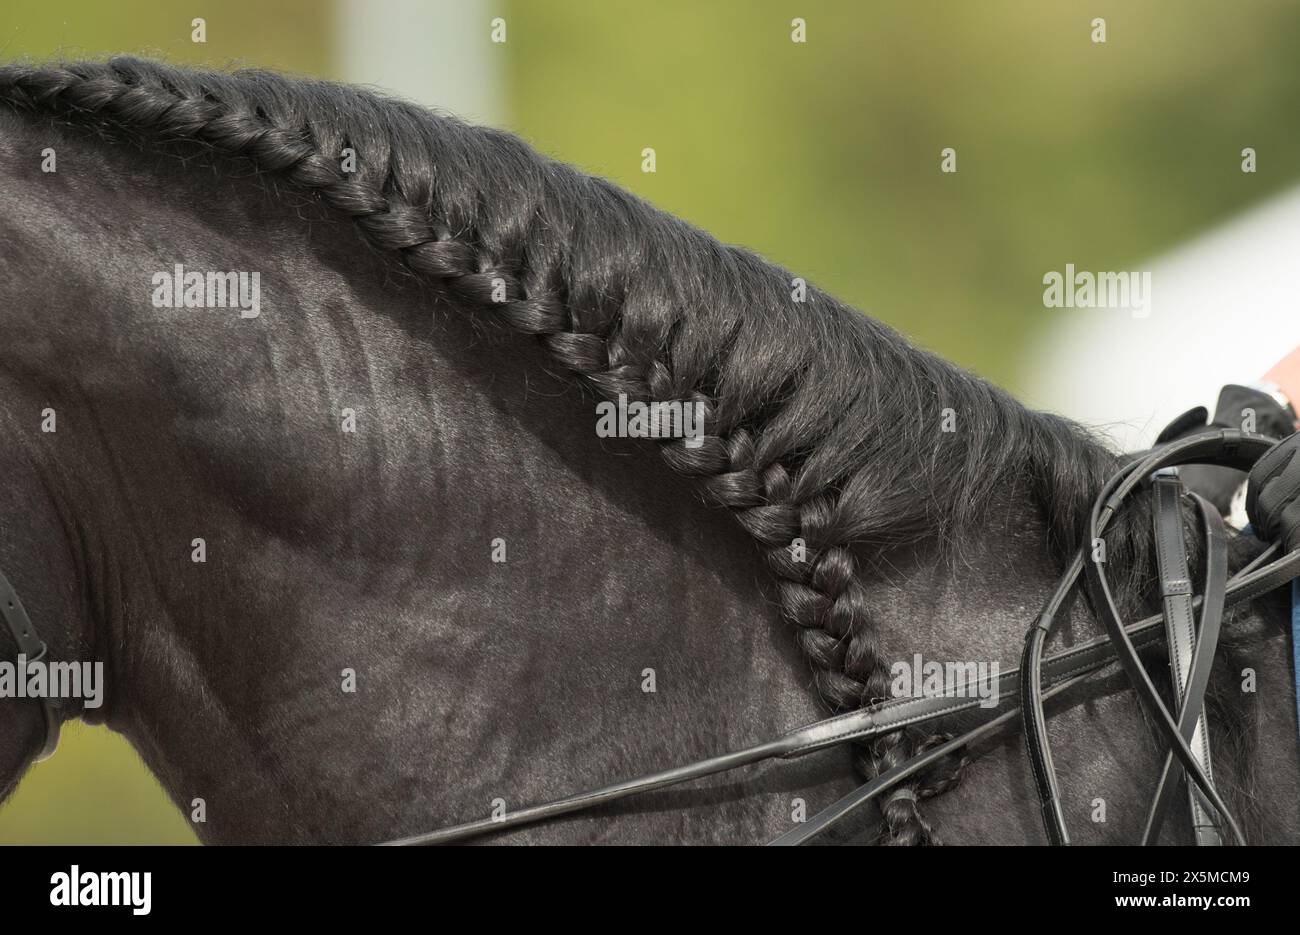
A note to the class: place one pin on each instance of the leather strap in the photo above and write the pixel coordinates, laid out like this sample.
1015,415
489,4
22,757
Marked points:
1090,656
1202,661
33,647
1181,638
1037,742
1222,447
829,816
1103,603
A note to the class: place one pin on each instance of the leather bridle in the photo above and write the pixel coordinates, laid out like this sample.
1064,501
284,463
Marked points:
31,646
1225,448
1021,693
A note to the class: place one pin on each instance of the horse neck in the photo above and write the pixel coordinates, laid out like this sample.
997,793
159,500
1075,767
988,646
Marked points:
303,623
299,601
40,555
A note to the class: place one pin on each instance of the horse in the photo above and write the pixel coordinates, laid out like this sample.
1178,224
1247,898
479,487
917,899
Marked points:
358,562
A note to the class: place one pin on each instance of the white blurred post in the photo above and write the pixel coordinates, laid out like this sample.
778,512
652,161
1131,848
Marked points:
434,52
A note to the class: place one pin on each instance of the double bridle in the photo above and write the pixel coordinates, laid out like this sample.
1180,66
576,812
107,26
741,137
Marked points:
1191,641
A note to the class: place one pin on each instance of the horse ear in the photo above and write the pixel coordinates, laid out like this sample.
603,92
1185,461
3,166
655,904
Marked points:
1193,420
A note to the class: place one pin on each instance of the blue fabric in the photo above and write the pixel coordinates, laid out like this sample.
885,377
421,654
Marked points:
1295,632
1295,640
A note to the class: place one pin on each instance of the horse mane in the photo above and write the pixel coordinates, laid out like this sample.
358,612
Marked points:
821,424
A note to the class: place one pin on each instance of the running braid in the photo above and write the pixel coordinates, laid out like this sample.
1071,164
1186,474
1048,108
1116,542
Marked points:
796,395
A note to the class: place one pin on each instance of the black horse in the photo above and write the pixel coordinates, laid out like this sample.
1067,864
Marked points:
358,562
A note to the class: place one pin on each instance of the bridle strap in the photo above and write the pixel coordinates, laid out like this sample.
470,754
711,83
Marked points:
1103,603
1037,742
586,800
1224,447
796,743
34,649
829,816
1247,584
865,723
1191,646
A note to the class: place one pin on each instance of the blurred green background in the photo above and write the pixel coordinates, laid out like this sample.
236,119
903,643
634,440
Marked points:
824,156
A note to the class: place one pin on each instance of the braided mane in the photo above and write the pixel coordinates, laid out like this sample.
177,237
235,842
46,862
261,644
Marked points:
821,424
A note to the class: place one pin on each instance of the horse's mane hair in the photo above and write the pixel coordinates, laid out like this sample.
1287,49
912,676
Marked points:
822,424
